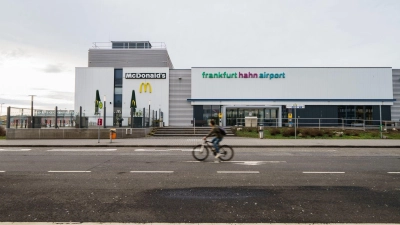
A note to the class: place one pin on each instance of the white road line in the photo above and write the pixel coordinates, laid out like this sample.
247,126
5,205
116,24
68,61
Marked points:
82,150
2,171
323,172
19,150
151,171
55,171
238,171
150,150
179,149
394,172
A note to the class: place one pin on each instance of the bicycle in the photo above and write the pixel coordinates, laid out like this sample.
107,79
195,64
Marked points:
201,152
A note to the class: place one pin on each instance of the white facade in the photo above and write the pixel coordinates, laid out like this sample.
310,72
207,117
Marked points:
90,79
158,97
258,87
310,86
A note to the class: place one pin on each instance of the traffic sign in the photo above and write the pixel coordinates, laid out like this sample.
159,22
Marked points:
99,122
100,105
220,115
290,116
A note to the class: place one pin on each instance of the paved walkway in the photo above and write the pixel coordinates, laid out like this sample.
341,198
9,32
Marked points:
192,141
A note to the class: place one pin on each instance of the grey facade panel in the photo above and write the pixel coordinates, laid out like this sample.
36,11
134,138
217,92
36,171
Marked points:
119,58
180,110
395,109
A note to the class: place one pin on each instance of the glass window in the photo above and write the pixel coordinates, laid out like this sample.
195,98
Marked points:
206,112
140,45
118,45
118,78
118,91
273,113
117,100
132,45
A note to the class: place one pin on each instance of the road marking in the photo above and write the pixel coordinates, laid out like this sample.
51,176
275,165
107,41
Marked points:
183,150
82,150
19,150
151,171
238,171
323,172
55,171
394,172
255,163
150,150
2,171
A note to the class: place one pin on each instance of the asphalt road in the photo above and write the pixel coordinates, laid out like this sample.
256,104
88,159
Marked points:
166,185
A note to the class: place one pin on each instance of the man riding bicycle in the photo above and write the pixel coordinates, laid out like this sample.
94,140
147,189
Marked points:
217,139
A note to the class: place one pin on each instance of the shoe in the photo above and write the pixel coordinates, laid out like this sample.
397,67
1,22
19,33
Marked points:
218,155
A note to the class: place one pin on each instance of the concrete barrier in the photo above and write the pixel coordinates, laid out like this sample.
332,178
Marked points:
77,133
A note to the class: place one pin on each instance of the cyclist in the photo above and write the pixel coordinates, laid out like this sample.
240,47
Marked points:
217,139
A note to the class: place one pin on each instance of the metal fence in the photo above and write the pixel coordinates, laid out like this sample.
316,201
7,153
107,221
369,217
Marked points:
321,123
20,118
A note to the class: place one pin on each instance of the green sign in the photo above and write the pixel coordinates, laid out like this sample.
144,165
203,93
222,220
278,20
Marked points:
100,105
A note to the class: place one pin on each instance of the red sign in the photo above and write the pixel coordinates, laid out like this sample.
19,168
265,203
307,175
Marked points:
99,122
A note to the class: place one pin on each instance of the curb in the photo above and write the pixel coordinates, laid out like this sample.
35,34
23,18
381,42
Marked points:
191,146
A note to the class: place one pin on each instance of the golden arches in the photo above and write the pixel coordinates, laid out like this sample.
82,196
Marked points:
145,85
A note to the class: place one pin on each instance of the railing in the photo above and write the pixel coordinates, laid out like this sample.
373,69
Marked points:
108,45
322,123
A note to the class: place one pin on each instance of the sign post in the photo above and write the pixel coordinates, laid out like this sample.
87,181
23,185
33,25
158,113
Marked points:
99,123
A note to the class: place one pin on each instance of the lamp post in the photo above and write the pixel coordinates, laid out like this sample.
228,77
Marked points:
295,121
32,110
104,125
149,112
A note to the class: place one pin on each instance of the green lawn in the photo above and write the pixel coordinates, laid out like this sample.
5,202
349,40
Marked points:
311,133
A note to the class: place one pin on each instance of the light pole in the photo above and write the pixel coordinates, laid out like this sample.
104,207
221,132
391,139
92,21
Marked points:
295,121
149,112
32,110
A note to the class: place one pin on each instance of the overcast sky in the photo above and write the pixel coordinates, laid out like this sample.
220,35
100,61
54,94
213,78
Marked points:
42,41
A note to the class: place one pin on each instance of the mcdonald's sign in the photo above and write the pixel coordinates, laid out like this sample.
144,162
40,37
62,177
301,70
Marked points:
145,85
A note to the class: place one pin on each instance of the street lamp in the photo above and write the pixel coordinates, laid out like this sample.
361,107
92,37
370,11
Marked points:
149,112
295,120
32,110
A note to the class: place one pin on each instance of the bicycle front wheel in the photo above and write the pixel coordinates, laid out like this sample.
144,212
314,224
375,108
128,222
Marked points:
200,153
226,152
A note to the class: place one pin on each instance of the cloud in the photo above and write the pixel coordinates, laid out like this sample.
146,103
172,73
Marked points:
12,55
54,68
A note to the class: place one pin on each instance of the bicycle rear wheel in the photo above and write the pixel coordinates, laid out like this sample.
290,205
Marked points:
199,153
226,152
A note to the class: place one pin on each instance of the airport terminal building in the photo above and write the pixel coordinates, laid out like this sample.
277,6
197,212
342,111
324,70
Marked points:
272,95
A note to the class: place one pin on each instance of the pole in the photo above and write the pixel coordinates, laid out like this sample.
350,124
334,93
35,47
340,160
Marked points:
98,130
149,113
380,119
80,116
56,117
8,125
32,110
132,117
104,125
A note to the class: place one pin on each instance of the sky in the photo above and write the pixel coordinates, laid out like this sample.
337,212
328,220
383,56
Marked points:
43,41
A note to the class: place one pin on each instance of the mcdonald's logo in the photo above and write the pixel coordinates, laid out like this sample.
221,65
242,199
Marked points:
145,85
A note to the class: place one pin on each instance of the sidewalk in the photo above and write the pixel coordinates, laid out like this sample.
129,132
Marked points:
179,142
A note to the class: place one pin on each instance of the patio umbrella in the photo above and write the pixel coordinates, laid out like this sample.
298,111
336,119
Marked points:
96,103
133,101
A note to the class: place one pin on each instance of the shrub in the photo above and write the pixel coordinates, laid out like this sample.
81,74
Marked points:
274,131
288,133
2,131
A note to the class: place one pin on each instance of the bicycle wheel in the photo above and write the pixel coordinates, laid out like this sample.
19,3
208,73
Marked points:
226,152
200,154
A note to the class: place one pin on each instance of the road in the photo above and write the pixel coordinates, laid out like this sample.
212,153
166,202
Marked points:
166,185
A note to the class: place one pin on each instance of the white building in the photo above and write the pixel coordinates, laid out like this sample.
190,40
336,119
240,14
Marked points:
203,93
